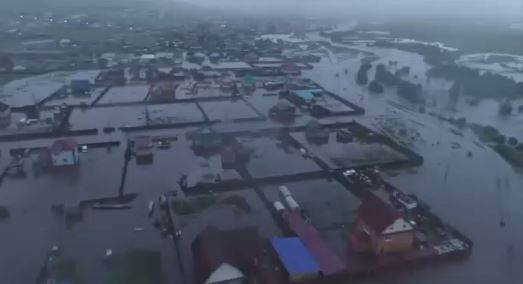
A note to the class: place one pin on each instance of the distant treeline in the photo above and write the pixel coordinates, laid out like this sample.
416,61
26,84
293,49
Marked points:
478,84
432,54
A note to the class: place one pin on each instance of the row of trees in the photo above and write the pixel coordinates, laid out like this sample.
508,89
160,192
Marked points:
405,89
474,83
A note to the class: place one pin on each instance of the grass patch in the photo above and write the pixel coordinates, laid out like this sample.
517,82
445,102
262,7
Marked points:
62,269
137,267
186,206
8,77
239,203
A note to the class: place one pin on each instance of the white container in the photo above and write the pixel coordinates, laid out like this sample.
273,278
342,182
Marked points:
284,191
278,206
291,203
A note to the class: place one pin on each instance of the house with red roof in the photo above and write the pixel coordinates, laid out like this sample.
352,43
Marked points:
64,152
381,229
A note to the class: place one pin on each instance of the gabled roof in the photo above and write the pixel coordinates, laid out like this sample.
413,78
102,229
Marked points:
225,272
377,214
63,145
214,247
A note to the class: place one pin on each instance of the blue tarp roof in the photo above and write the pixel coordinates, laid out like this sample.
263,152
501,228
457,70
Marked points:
294,256
306,94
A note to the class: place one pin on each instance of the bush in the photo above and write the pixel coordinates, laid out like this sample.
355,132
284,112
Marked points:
4,212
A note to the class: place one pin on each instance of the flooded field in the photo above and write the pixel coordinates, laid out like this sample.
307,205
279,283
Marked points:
228,110
272,157
30,198
339,155
134,115
76,100
125,94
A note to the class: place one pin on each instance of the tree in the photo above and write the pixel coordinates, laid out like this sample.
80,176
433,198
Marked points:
384,76
410,91
361,76
455,92
376,87
505,108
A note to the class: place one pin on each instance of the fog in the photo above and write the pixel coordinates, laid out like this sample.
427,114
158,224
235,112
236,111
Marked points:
511,10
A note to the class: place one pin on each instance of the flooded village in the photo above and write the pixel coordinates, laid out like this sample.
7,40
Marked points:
224,153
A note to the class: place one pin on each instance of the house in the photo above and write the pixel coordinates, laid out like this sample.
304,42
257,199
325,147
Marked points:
298,262
143,150
290,69
64,152
225,257
282,111
381,229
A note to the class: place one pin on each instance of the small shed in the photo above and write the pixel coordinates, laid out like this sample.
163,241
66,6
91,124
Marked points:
80,86
143,150
297,260
282,111
314,132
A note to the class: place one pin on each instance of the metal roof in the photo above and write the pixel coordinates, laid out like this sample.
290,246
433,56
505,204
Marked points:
327,260
294,256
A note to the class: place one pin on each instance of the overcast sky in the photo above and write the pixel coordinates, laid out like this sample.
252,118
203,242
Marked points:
455,8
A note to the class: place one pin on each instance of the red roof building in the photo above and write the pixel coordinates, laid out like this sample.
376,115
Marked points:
381,228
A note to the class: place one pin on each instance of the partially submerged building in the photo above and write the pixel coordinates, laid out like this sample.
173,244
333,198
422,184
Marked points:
206,139
381,229
64,152
234,155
